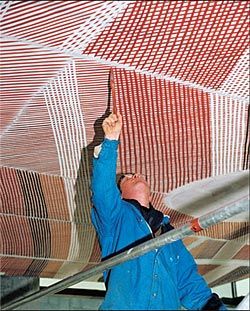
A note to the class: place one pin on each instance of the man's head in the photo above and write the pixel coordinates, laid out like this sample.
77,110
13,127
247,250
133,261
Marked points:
134,186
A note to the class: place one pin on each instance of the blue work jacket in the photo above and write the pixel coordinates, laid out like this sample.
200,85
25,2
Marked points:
162,279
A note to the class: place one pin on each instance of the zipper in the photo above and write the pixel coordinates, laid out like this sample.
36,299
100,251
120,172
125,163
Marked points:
152,234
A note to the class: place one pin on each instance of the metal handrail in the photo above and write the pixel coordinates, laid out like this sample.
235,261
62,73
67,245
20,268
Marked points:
189,228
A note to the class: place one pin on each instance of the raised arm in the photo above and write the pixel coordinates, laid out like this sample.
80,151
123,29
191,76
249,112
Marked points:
105,194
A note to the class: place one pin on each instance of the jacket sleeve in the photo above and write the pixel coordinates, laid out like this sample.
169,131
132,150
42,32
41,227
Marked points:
214,303
193,290
106,197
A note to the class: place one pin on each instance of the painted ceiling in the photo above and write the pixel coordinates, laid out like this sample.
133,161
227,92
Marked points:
179,76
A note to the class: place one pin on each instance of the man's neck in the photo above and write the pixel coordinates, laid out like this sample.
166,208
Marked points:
144,202
137,203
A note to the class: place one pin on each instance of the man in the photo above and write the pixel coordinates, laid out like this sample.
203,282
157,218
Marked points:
162,279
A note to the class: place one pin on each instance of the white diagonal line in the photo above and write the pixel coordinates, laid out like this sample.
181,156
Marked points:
228,134
225,137
229,141
80,115
233,140
54,129
128,67
66,120
237,81
243,136
4,8
66,113
94,25
221,121
213,116
217,134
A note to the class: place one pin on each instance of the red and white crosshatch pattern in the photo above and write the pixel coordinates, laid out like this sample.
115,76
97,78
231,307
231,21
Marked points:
180,80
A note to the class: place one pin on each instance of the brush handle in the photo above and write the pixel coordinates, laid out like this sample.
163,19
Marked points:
112,86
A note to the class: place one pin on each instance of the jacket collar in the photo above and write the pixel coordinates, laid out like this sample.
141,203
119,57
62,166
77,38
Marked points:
152,216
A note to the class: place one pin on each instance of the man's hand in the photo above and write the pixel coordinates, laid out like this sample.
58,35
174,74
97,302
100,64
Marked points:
112,126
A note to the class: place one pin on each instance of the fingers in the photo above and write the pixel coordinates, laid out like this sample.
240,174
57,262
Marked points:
112,119
112,126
